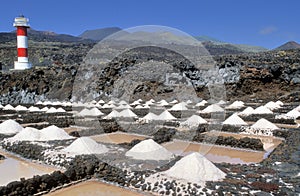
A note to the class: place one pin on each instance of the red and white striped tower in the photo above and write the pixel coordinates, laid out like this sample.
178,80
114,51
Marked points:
21,23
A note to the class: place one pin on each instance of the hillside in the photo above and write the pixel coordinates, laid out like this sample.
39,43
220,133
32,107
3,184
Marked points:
288,46
99,34
42,36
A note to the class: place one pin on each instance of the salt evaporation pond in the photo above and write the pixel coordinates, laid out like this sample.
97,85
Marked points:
117,137
94,188
215,153
269,142
13,168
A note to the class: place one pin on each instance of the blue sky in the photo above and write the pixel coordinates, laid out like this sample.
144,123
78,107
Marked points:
257,22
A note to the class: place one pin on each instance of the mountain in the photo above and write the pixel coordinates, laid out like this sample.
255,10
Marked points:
288,46
239,48
99,34
204,38
250,48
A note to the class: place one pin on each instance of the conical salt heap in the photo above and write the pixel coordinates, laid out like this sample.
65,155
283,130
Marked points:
149,150
127,113
195,168
236,105
247,111
8,107
179,107
264,124
112,114
10,127
27,134
212,108
150,116
262,110
54,133
166,115
20,108
234,119
193,121
85,145
293,114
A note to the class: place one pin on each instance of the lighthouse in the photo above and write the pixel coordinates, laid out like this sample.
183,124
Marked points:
22,24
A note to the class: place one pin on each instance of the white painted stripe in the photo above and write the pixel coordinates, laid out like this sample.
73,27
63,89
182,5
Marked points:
22,66
22,41
23,59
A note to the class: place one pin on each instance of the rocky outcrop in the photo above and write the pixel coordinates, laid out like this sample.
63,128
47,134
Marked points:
164,135
268,76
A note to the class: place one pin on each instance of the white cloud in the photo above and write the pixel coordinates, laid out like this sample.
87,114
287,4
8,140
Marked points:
268,30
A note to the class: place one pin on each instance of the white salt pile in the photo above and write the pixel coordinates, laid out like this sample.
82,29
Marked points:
33,109
91,112
166,115
272,105
123,102
174,101
293,114
78,104
39,103
247,111
85,145
149,103
53,133
56,103
8,107
137,102
47,103
179,107
51,110
202,103
234,119
163,103
44,109
150,116
112,114
84,112
96,112
236,105
263,124
195,168
60,110
127,113
193,121
149,150
212,108
221,102
20,108
262,110
27,134
10,127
